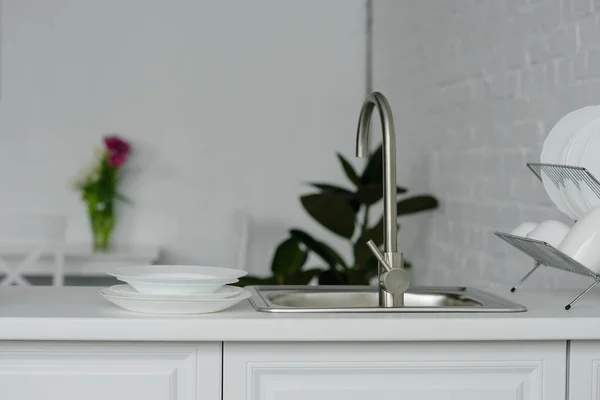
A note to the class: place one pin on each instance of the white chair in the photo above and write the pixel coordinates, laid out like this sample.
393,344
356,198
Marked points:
29,237
256,241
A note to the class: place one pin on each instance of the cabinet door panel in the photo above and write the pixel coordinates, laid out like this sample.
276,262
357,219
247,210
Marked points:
111,371
416,371
584,370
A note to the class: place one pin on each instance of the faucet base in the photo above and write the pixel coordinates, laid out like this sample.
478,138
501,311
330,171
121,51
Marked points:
386,298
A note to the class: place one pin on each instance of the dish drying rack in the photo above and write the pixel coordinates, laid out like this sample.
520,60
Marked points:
542,252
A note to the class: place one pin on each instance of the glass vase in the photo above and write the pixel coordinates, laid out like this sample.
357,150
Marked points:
102,221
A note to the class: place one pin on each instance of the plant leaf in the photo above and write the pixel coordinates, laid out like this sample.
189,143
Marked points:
416,204
373,192
302,277
330,256
332,188
361,251
362,254
123,198
288,258
363,275
370,269
375,233
348,196
331,211
370,193
332,277
373,172
350,172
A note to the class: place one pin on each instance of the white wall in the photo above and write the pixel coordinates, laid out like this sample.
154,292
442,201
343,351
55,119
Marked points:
230,105
475,86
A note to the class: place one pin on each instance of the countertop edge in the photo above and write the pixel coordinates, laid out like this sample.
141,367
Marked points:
542,329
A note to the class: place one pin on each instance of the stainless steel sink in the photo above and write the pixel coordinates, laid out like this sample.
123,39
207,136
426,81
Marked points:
364,299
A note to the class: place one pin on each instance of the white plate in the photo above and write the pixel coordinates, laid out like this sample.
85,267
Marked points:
222,293
574,157
176,288
178,273
556,144
569,187
173,307
591,161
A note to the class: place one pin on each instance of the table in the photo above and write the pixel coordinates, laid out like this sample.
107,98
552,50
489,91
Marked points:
81,261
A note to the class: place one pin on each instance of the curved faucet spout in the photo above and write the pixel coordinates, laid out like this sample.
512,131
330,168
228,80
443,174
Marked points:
372,101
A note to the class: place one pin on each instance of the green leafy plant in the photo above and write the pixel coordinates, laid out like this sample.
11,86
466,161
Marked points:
345,212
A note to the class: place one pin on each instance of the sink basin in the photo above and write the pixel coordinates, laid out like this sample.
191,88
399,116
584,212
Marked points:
364,299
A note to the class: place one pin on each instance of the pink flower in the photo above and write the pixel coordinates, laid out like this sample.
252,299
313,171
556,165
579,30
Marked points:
118,150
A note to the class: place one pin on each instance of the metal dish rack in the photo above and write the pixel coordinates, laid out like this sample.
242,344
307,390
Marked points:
543,253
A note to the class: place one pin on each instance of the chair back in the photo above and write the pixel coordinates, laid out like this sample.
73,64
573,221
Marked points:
29,237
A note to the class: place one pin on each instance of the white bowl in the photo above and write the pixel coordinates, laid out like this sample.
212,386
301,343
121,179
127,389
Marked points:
173,307
583,241
551,231
222,293
178,273
524,229
178,288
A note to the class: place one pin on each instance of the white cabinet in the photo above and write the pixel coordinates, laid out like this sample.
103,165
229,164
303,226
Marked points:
112,371
299,371
584,370
416,371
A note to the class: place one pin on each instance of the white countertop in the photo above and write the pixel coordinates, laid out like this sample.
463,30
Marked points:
80,313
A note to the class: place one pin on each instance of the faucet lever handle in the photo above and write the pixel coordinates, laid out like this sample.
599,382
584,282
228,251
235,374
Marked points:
379,255
394,280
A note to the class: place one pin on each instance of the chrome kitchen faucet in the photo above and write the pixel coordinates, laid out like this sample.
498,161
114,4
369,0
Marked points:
393,279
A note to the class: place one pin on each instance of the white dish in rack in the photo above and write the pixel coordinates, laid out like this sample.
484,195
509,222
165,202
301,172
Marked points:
555,149
574,156
222,293
590,159
177,307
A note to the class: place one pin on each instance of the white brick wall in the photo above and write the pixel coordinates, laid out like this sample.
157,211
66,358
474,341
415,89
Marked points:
475,86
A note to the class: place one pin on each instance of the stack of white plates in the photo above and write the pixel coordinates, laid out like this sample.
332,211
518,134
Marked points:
574,141
175,289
